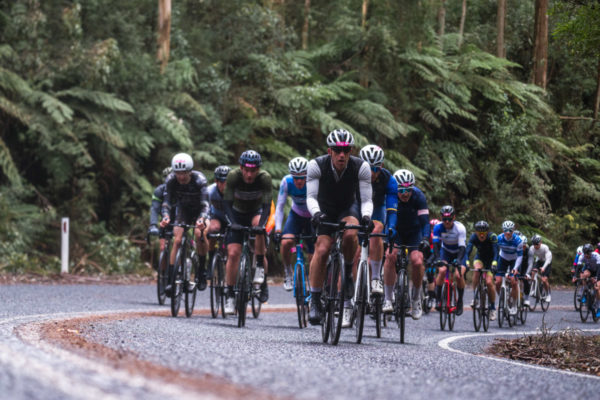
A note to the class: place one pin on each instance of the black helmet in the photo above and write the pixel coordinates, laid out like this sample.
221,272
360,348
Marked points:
447,211
536,239
588,248
221,172
482,226
250,158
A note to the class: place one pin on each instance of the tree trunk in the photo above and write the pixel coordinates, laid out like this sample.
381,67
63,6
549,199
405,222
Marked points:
597,102
461,28
441,22
500,17
365,7
364,72
164,33
305,26
540,51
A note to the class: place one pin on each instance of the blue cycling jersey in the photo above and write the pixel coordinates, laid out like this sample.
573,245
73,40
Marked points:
452,239
288,188
511,249
413,215
486,250
385,193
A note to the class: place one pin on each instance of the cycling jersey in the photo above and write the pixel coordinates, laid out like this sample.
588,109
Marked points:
591,263
287,187
248,198
413,215
542,254
192,195
452,241
511,250
334,193
385,196
157,199
487,251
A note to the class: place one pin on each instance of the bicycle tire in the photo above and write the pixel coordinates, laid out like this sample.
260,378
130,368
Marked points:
534,299
256,305
444,305
299,290
378,305
326,302
243,290
477,314
543,302
577,294
523,314
216,285
400,306
485,310
452,309
584,310
161,276
360,303
511,319
177,282
336,323
501,307
190,296
594,312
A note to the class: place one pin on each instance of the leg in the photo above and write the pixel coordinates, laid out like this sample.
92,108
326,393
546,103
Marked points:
416,260
389,277
317,277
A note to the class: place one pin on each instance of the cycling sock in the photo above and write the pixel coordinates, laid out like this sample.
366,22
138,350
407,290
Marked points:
316,296
416,292
461,292
260,260
288,270
492,306
438,293
389,291
375,269
171,273
347,304
315,290
211,254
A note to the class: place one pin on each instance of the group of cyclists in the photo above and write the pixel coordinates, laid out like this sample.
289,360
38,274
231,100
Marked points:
587,266
332,188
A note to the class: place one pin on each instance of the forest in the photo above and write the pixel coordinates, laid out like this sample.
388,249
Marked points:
493,104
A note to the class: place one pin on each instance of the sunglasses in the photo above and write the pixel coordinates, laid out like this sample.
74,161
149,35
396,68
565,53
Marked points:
375,169
447,219
299,178
404,190
508,230
339,149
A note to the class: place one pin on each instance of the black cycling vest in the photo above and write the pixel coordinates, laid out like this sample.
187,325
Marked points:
336,196
380,187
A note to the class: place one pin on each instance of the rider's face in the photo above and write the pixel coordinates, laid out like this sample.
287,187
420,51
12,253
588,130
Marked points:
221,186
299,181
481,236
249,173
183,177
339,157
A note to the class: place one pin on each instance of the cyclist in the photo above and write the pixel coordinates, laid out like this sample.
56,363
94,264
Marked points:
449,239
385,209
575,271
247,202
187,190
486,244
298,220
509,260
218,220
540,260
430,269
338,189
589,264
155,207
412,230
524,263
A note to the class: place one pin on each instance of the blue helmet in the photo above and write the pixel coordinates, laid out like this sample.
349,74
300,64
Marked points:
251,159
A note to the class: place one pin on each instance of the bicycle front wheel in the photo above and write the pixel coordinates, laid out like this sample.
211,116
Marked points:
452,309
216,285
177,284
444,307
533,299
161,276
243,284
256,304
401,293
485,310
360,303
584,309
577,294
190,276
477,314
544,303
337,306
501,307
299,291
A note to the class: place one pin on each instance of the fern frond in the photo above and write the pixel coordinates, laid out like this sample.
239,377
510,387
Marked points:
15,110
13,83
8,165
106,100
168,121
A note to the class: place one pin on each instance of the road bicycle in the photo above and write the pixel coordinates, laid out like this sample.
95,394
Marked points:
538,293
522,309
587,300
186,271
401,292
364,301
503,303
162,265
333,293
449,296
301,288
244,290
217,276
481,309
577,293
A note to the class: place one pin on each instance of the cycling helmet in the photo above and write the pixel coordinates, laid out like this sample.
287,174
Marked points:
508,226
588,248
182,162
405,178
298,166
251,159
580,250
524,239
482,226
372,154
434,221
447,211
221,172
340,138
166,171
518,233
536,239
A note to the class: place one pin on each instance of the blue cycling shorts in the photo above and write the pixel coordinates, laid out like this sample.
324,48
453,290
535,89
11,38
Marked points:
295,225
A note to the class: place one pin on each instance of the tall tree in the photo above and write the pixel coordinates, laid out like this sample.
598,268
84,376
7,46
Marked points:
305,25
500,21
441,17
164,32
461,27
540,49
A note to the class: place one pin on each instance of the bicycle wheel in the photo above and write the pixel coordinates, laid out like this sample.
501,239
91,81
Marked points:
577,294
360,303
299,287
256,304
177,284
326,300
338,300
543,302
243,284
584,309
190,275
477,314
216,285
485,309
444,305
161,276
501,305
452,309
400,306
378,305
533,299
512,319
523,314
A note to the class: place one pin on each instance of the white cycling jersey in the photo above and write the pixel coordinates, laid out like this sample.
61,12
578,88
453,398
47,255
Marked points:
542,254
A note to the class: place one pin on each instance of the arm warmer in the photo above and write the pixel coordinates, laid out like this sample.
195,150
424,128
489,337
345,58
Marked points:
312,187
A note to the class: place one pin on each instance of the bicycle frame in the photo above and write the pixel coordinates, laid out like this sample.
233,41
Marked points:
302,298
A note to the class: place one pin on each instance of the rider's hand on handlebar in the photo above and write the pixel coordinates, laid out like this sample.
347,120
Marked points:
165,221
277,237
153,230
367,223
424,245
318,218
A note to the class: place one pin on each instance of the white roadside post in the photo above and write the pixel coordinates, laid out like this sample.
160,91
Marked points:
64,245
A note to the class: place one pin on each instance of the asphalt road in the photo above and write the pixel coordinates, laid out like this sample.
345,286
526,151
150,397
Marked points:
271,354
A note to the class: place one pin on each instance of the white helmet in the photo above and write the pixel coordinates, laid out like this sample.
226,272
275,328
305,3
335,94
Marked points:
182,162
508,226
580,250
340,138
298,166
372,154
405,178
